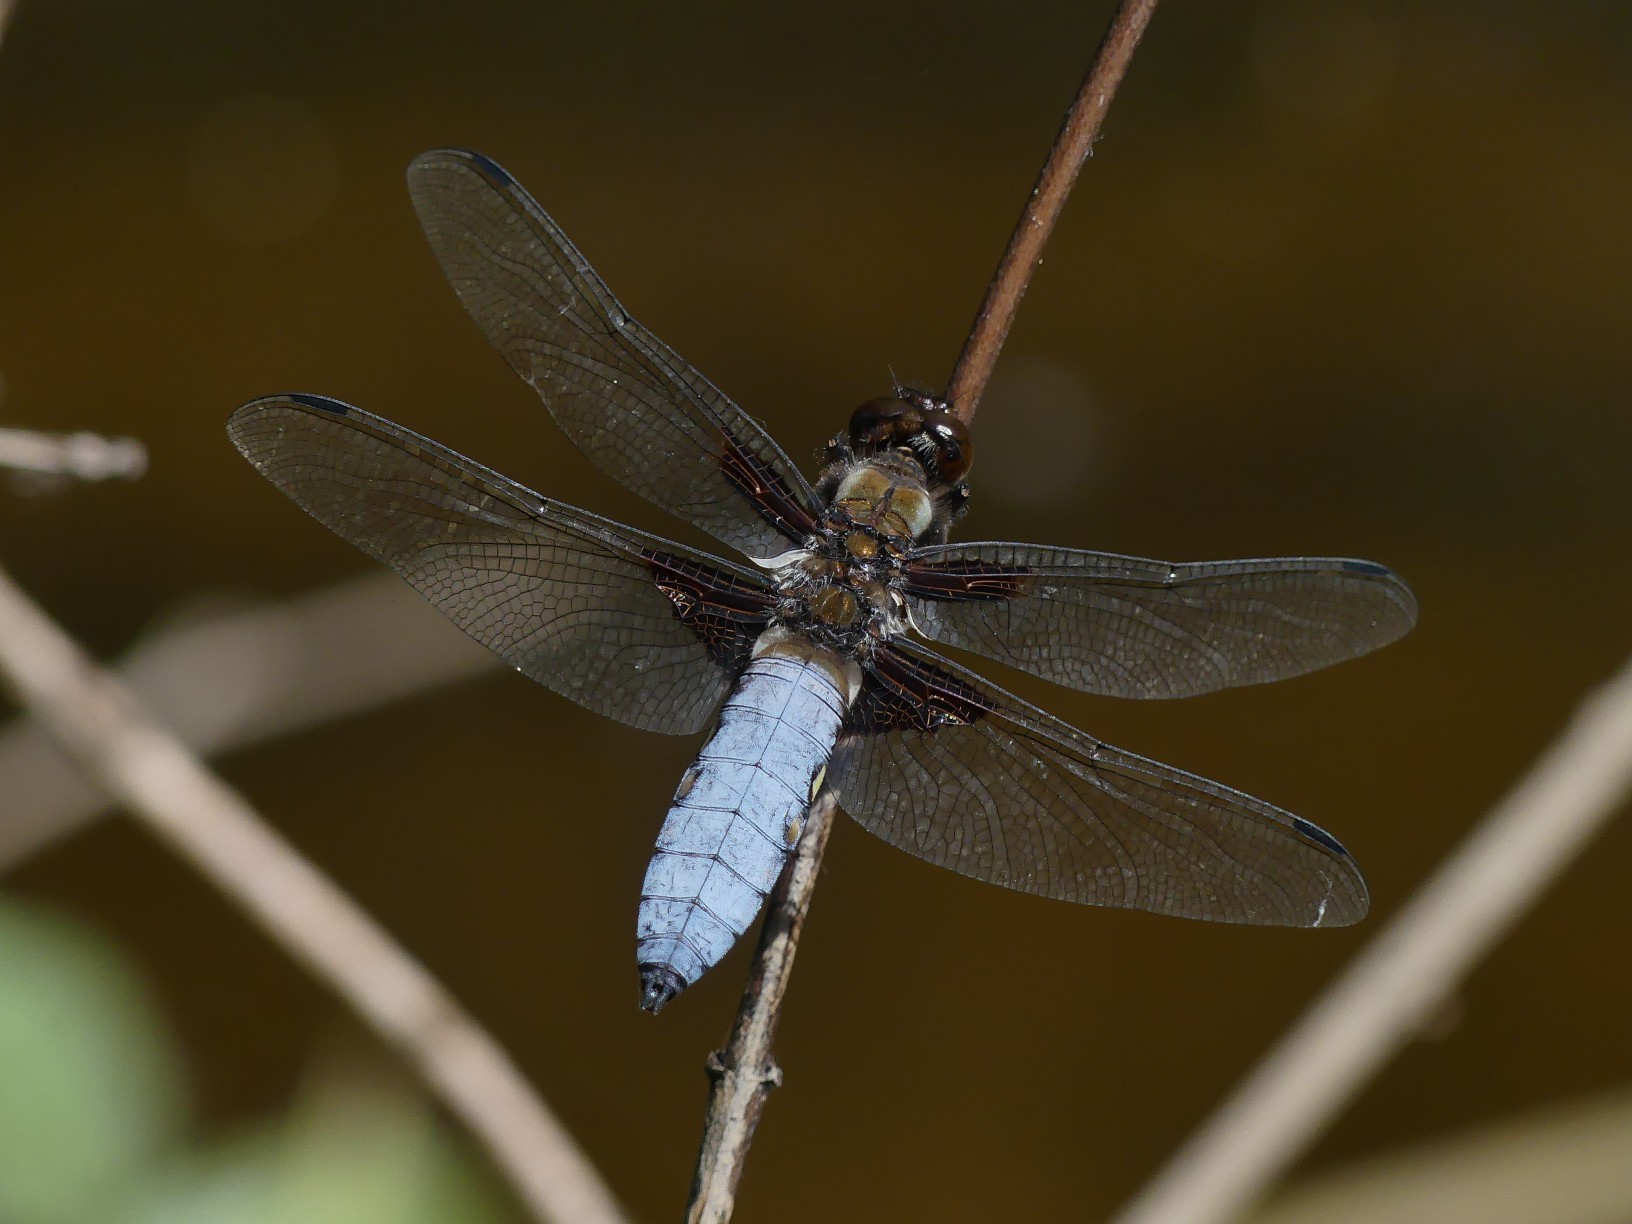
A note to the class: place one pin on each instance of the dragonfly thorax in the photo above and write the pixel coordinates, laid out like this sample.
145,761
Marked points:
885,496
840,591
839,599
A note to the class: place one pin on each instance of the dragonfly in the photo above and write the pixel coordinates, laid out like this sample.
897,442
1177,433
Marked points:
811,661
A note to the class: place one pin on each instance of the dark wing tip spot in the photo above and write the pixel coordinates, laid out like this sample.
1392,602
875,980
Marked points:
321,403
478,163
488,167
1319,835
1394,588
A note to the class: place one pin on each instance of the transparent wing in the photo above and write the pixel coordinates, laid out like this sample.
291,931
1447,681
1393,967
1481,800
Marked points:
962,774
1131,627
636,408
628,625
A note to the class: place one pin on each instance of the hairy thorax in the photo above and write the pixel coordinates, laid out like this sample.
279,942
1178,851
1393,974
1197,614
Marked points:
840,593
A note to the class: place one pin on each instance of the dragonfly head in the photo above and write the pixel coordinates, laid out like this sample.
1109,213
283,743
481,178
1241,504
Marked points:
923,427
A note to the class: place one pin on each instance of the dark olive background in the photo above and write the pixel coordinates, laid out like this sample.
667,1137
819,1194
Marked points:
1340,278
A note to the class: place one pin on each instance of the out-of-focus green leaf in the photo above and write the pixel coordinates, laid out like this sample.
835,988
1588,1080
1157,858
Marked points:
90,1089
350,1154
92,1114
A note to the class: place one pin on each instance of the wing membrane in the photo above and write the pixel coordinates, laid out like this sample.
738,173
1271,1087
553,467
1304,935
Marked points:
628,401
1131,627
958,772
628,625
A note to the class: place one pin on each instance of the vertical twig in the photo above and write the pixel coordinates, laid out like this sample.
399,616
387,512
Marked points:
146,768
745,1071
1348,1034
1031,233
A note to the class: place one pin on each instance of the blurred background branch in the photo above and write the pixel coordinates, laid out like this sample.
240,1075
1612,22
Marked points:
222,680
137,762
80,456
1565,1164
1412,966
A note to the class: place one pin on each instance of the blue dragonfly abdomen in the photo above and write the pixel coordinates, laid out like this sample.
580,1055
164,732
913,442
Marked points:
738,812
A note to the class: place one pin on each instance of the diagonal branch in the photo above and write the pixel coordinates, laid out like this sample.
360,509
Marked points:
1071,148
141,764
1352,1030
243,677
1562,1163
745,1071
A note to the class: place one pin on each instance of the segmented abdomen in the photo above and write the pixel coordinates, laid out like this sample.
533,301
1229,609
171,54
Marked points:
736,817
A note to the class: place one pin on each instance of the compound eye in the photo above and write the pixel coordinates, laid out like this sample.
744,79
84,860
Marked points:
879,424
954,448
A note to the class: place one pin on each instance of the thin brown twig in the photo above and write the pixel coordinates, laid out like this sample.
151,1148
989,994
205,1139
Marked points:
141,764
1380,1000
1071,148
745,1072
